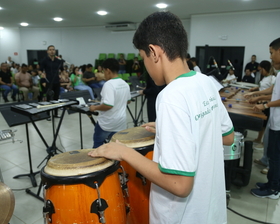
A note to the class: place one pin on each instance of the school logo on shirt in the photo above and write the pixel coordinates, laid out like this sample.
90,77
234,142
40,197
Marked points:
209,105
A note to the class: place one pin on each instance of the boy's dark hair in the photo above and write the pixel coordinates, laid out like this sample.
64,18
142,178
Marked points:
275,44
89,66
112,64
163,29
24,65
266,65
193,59
190,64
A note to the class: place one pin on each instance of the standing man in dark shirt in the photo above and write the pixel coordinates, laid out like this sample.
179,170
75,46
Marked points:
151,91
253,65
51,66
6,82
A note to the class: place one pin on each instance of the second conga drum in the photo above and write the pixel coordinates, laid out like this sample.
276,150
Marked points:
138,186
82,189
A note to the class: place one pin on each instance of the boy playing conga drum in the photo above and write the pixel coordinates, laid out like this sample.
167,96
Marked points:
187,171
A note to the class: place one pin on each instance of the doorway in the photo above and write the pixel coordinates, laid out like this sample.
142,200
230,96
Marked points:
206,56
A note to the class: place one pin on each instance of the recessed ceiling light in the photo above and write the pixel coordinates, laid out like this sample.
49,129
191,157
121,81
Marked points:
57,19
1,28
102,13
161,5
24,24
1,8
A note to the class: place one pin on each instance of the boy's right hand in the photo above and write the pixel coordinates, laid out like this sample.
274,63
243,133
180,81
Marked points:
151,127
248,95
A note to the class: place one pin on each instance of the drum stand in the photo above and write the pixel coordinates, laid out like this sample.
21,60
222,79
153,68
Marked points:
52,150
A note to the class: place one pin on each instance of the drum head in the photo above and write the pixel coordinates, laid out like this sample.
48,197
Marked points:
75,163
7,203
135,137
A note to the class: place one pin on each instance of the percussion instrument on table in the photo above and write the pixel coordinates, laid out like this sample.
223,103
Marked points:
233,151
7,203
138,187
82,189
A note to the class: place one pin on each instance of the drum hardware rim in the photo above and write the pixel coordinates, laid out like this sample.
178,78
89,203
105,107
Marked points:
124,181
88,179
96,206
48,209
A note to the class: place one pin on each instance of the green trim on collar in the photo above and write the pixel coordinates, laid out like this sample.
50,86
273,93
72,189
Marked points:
189,74
229,132
116,78
177,172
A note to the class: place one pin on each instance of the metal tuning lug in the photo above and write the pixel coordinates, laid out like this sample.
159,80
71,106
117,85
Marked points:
123,179
98,206
48,210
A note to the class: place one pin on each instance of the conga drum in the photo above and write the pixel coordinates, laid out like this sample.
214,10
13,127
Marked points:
7,203
138,186
82,189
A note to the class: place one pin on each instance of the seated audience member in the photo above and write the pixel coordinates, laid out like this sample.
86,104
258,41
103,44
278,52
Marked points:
71,68
35,78
6,82
25,83
248,77
112,110
122,64
90,79
100,77
195,66
231,78
76,79
136,68
43,84
14,68
9,62
65,82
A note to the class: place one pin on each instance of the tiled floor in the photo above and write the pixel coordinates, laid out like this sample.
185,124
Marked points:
28,210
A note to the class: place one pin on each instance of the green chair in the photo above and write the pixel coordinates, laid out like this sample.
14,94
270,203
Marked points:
120,76
125,76
111,55
133,74
118,56
130,56
102,56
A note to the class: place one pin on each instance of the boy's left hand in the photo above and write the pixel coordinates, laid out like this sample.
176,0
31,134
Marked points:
112,150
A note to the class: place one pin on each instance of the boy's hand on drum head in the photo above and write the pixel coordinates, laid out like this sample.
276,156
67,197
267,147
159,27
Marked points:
112,150
151,127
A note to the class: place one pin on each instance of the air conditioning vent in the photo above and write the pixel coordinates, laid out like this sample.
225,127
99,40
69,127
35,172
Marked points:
121,27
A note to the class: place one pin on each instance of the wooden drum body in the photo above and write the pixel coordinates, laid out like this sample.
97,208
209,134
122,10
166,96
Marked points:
138,186
81,189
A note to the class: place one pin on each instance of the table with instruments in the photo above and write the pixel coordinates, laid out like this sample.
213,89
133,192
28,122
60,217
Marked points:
240,110
32,110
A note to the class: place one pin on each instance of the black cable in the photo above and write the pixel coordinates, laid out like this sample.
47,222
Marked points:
246,217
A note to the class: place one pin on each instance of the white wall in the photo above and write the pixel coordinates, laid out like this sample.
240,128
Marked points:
79,45
253,30
9,44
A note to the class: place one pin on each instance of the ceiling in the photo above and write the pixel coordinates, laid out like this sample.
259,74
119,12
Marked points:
40,13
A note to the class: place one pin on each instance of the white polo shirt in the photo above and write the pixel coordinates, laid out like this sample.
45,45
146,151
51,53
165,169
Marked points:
115,93
274,117
191,120
266,82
